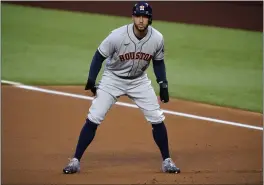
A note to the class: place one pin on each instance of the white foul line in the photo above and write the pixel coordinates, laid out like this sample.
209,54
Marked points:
19,85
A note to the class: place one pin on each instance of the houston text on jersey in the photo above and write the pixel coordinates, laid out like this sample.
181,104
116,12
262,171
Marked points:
135,55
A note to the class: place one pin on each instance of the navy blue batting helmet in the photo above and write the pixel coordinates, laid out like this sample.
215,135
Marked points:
144,9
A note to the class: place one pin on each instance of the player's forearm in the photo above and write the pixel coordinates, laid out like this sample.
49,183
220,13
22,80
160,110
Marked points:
159,70
96,66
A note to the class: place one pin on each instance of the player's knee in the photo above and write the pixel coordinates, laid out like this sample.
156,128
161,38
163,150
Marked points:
95,118
155,117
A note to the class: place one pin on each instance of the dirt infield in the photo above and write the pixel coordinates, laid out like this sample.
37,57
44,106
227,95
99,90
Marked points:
40,131
243,15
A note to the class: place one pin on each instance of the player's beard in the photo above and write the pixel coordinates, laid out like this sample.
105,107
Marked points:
141,30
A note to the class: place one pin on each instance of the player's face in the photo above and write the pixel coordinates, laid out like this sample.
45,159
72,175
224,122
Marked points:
141,22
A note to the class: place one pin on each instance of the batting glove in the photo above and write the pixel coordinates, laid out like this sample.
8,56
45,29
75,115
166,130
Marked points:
90,85
164,93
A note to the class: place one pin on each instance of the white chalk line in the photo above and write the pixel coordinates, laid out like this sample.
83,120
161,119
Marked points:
22,86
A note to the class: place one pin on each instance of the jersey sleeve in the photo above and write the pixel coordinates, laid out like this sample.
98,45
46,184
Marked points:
160,51
107,47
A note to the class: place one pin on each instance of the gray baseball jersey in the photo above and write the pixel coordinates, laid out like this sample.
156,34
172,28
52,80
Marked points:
126,55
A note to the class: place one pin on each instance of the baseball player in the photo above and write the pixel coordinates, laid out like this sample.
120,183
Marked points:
128,51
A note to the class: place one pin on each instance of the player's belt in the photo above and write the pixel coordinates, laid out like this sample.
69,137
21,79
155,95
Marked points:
129,77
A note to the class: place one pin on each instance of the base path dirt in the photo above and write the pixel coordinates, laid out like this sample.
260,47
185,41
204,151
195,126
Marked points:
40,132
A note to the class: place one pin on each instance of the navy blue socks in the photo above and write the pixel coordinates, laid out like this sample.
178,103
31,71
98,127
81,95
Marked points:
86,136
160,136
88,131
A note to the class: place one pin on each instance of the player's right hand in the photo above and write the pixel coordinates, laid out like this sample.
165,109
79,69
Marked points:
90,85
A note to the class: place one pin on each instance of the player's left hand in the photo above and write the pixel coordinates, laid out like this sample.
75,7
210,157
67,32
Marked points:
164,93
90,85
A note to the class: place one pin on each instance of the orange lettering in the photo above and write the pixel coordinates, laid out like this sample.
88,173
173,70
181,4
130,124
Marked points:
138,55
146,57
121,57
127,56
132,55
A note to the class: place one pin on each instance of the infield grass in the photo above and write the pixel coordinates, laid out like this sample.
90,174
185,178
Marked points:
206,64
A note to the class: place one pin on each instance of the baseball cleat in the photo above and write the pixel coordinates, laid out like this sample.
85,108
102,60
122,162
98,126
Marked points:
72,167
168,166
